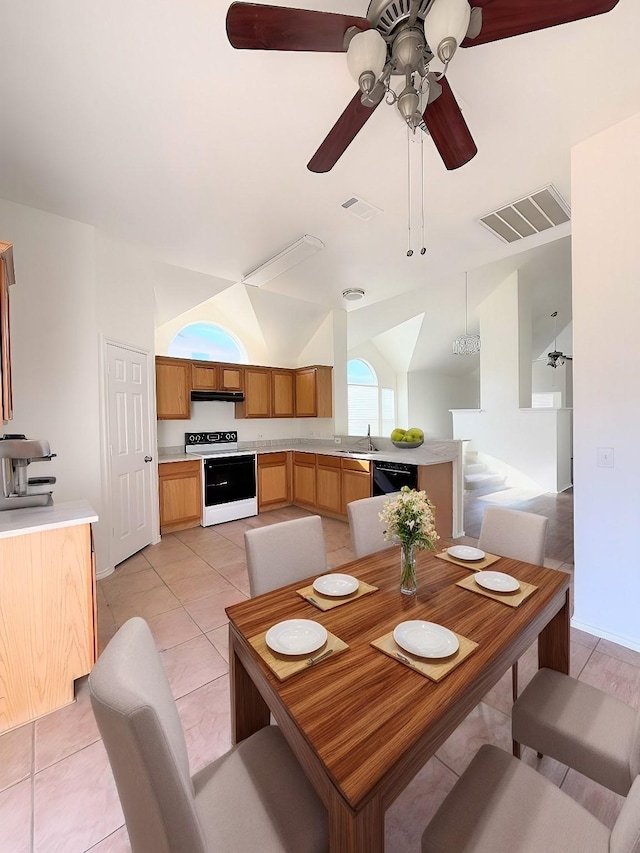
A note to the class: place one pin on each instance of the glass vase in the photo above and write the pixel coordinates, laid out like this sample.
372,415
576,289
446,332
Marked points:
408,581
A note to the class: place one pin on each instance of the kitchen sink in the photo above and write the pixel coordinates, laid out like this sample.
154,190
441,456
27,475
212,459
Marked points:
357,452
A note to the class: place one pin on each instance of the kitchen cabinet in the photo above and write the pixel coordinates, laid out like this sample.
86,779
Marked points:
304,479
204,377
180,487
329,484
257,394
274,480
356,481
7,277
282,393
231,378
47,615
437,482
173,388
313,395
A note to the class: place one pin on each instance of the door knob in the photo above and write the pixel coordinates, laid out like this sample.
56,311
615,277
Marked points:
148,458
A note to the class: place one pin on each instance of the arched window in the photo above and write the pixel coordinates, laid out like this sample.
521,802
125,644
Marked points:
369,405
207,342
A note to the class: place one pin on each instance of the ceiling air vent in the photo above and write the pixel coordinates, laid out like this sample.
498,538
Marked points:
360,208
537,212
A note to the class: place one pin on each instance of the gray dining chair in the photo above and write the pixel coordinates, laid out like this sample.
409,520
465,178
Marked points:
367,531
254,797
285,552
501,805
579,725
519,535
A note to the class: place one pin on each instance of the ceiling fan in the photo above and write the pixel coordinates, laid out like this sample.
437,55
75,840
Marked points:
400,38
555,358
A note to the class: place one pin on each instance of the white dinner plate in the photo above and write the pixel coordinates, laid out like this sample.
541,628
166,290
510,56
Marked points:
497,581
336,584
465,552
425,639
296,636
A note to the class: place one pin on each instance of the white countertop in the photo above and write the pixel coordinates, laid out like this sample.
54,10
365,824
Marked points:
15,522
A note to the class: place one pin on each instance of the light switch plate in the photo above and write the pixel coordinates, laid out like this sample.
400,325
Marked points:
605,457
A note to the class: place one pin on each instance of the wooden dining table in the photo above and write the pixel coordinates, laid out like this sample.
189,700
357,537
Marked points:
362,724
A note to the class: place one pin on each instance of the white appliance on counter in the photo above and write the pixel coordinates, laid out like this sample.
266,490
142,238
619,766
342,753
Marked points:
228,476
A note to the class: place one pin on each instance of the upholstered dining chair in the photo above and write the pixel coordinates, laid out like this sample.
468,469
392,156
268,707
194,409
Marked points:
367,531
516,534
254,797
501,805
579,725
285,552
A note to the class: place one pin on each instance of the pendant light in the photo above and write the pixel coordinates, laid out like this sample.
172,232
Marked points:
466,344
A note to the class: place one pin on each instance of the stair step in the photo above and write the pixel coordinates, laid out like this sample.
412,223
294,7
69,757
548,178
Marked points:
478,481
475,468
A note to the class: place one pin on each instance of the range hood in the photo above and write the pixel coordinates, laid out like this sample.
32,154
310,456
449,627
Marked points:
217,396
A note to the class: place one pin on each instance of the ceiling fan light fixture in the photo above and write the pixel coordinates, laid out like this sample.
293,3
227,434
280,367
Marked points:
445,25
366,56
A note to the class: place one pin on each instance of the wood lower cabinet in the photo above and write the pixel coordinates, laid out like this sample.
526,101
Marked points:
437,482
173,388
47,620
180,495
356,481
313,396
274,480
282,393
329,484
257,394
304,479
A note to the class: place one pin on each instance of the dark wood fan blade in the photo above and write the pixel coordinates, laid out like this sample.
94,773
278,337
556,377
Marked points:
341,135
448,129
502,19
252,26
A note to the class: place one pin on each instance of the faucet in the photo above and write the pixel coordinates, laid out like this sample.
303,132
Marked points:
370,446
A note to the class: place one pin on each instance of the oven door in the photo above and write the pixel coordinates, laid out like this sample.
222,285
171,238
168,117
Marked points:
229,479
389,477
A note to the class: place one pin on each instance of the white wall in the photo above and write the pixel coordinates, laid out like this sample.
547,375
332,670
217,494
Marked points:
606,308
431,397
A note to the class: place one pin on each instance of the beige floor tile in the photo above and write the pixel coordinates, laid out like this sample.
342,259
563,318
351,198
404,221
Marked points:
168,550
209,613
483,725
407,817
136,563
192,664
235,538
146,604
206,719
117,842
66,731
200,586
602,803
339,557
172,628
186,567
237,575
588,640
197,535
614,650
16,755
106,626
614,676
549,767
76,803
117,587
222,556
220,639
15,818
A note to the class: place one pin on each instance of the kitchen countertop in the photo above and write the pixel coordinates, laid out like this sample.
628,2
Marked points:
15,522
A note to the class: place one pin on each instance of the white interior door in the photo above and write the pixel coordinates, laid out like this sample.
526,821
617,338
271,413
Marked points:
129,451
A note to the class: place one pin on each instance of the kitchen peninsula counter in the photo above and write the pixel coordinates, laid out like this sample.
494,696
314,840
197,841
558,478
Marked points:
14,522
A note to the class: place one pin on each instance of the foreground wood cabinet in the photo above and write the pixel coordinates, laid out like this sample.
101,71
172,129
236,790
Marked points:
304,479
282,393
274,480
180,495
437,482
329,484
356,481
47,620
257,394
173,388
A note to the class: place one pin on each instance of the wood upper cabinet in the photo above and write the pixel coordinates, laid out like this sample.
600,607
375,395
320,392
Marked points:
204,377
274,480
257,394
231,377
7,277
180,495
173,388
356,481
282,393
304,478
313,395
329,483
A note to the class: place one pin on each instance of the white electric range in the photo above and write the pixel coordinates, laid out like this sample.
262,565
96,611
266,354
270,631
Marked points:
228,476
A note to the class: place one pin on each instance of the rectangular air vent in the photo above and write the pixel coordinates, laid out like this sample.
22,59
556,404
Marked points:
360,208
537,212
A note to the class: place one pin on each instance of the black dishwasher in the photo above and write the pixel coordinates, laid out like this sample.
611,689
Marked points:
392,476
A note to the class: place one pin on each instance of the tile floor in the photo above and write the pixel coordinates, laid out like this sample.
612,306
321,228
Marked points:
56,788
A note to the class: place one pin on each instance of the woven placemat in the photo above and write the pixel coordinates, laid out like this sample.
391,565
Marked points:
475,565
513,599
328,602
284,666
435,669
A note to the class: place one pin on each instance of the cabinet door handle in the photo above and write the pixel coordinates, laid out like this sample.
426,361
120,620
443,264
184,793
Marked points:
148,458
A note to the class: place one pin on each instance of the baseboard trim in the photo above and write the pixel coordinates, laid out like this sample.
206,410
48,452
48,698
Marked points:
627,642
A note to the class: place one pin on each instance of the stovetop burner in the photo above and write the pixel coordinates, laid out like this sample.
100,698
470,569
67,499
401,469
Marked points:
210,442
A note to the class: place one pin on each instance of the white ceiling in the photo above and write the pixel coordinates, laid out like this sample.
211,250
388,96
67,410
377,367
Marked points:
139,118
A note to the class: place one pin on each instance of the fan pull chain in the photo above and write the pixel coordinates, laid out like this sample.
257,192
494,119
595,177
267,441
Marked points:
409,249
423,250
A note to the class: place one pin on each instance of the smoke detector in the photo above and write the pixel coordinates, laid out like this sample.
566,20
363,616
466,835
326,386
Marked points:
360,208
352,294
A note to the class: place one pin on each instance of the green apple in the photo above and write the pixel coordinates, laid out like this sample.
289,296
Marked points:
398,434
415,434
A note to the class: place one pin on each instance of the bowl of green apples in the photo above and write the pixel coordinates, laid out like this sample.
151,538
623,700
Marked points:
406,439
